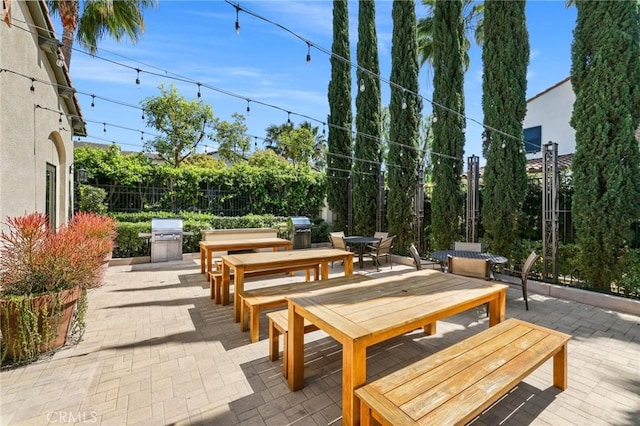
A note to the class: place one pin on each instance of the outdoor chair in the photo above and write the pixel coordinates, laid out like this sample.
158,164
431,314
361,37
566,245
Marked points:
528,264
379,234
477,268
464,246
337,242
422,263
382,249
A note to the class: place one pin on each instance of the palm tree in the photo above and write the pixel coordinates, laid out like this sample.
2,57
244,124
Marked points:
91,20
472,13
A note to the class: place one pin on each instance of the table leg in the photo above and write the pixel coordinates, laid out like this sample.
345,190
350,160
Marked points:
354,375
202,259
497,308
348,265
324,270
224,284
238,281
560,368
295,349
209,261
361,255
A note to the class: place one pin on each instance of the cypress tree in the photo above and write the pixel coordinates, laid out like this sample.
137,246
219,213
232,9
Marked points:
340,119
505,57
368,123
605,75
448,133
404,108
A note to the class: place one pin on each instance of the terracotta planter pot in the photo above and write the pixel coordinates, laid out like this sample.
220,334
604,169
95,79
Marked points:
60,331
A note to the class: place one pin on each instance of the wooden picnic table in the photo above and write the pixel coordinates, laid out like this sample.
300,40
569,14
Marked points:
371,312
248,262
208,247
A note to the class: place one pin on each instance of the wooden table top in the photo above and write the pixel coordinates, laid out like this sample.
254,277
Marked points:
241,244
368,310
265,260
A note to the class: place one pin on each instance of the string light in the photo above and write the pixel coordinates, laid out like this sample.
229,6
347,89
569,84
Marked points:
142,114
308,53
362,84
32,88
248,107
404,101
104,127
93,103
60,119
199,95
504,144
255,142
142,136
324,130
60,60
138,77
237,19
289,118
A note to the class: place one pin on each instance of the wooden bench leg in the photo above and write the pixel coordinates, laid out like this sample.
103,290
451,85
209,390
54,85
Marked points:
274,342
285,354
245,312
212,286
254,327
218,289
430,329
560,368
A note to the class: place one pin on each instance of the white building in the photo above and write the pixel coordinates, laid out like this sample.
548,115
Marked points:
548,120
39,115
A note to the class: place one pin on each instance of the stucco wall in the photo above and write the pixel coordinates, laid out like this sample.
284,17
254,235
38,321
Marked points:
30,137
552,110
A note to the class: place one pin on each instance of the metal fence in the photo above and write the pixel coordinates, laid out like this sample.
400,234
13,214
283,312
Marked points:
150,198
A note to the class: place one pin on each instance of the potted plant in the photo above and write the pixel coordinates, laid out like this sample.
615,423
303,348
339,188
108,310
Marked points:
44,275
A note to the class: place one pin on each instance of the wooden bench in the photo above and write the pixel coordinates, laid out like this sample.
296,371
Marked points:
453,386
279,324
254,301
215,278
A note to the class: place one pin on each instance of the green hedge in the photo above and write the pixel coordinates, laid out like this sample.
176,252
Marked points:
129,244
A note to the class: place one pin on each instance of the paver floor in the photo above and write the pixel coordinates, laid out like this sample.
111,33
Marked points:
158,351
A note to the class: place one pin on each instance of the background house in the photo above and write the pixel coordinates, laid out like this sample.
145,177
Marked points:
39,115
548,120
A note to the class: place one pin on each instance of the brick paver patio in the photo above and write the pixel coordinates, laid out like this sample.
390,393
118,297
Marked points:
158,351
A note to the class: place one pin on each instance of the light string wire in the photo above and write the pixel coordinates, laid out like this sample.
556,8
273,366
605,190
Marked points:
404,90
180,78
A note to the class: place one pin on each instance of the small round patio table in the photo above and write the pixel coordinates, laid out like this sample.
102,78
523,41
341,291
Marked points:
361,243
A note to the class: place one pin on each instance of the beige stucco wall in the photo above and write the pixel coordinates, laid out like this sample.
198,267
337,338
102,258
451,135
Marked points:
30,137
552,110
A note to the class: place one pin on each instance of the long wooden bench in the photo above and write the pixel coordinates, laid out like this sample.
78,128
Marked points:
279,324
215,278
453,386
254,301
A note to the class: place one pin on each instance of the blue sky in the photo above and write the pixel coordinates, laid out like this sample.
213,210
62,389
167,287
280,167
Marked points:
196,40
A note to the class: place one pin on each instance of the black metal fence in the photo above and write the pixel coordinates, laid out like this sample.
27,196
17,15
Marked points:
151,198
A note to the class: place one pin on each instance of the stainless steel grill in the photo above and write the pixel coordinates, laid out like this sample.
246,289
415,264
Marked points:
300,228
166,239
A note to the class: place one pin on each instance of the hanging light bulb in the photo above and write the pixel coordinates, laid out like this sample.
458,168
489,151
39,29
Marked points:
60,60
504,144
104,127
142,114
32,88
404,102
237,21
142,136
138,77
255,142
199,95
324,130
93,101
248,107
308,53
289,118
434,119
60,119
362,84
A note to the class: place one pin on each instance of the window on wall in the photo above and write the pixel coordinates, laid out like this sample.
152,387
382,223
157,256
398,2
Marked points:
533,139
50,194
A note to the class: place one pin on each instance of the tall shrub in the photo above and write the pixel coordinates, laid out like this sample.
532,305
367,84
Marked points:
366,167
505,56
605,75
404,108
340,118
448,134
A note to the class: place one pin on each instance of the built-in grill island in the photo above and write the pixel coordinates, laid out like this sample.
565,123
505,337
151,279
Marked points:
166,239
300,229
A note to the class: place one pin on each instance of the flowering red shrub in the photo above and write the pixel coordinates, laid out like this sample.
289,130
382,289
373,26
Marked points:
36,259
